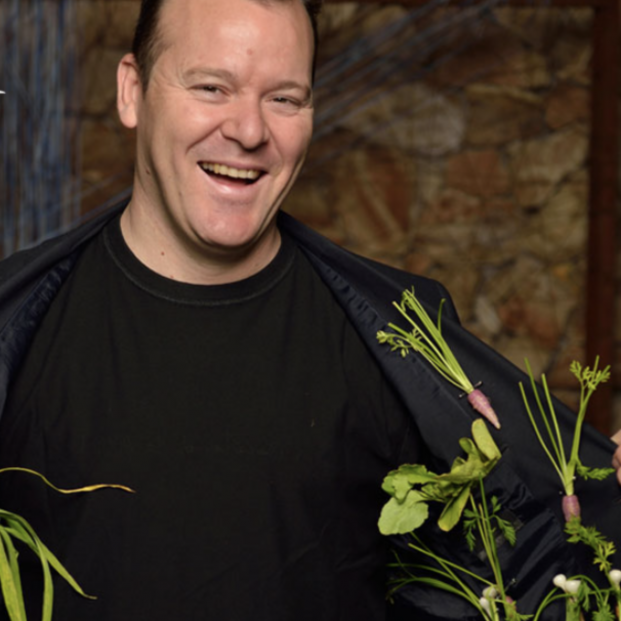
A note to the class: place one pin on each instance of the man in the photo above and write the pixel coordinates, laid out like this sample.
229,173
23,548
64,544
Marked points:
220,359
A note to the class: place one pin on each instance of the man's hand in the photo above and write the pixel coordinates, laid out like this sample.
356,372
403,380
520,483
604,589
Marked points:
616,458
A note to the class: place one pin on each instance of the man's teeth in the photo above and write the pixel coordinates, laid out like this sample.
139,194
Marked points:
228,171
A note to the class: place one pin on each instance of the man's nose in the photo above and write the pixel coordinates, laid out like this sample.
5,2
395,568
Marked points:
246,124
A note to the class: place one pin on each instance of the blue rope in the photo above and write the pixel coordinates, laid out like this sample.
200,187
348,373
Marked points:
37,177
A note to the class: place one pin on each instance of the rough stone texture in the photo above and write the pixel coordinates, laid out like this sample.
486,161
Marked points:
558,230
481,58
567,104
537,165
480,173
414,118
528,70
99,72
499,115
107,160
374,209
107,23
572,56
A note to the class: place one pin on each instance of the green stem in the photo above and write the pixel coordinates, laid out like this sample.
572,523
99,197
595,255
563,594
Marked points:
438,347
575,447
538,434
559,437
487,536
552,596
447,565
446,571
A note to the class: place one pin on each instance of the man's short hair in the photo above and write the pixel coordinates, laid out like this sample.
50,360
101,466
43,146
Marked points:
148,44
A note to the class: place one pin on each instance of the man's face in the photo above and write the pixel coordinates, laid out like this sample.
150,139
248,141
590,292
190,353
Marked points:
223,128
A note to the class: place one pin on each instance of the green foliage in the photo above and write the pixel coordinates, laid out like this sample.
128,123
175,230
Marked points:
472,522
15,528
411,487
597,474
590,536
550,436
401,517
589,378
603,614
425,338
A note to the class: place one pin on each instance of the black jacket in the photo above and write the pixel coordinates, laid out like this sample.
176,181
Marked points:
524,481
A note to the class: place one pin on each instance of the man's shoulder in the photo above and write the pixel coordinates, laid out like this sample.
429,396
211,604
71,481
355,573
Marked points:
376,281
21,272
58,246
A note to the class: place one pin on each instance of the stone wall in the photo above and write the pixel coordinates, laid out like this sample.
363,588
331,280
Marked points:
107,148
464,159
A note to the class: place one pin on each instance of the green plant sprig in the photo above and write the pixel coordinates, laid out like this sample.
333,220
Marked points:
567,469
426,339
602,548
412,487
15,527
448,579
482,517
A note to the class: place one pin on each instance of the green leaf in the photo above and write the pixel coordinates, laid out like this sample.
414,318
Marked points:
603,614
398,482
20,529
464,471
402,518
469,447
470,524
453,510
484,441
599,474
507,530
9,577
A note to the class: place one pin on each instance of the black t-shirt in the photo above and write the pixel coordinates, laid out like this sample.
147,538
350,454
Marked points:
250,419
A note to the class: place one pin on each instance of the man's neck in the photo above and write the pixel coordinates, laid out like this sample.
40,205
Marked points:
158,249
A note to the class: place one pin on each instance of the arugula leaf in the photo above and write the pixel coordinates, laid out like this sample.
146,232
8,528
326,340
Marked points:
400,518
453,510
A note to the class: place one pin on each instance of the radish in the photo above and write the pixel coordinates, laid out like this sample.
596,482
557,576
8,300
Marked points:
567,469
480,403
426,339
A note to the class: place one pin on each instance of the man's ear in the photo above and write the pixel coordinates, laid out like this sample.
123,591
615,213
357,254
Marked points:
129,91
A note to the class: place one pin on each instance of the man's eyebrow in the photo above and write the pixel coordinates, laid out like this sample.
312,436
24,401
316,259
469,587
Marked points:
290,85
208,72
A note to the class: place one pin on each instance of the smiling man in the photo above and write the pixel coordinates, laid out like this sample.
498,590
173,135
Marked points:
221,359
222,132
190,350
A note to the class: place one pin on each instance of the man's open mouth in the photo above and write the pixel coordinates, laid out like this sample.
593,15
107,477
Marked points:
246,176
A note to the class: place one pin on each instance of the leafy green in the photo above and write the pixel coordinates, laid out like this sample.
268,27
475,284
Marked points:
399,518
425,338
590,536
553,445
405,512
598,474
15,527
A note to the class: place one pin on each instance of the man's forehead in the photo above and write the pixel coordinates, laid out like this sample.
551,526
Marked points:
182,7
178,20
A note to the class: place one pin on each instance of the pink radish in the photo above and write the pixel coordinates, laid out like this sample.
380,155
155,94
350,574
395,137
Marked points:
481,404
571,507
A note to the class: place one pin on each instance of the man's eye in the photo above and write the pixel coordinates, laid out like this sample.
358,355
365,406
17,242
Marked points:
285,101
